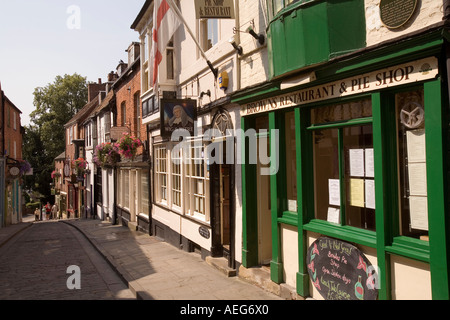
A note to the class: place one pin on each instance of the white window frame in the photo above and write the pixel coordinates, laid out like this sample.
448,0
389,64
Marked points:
161,174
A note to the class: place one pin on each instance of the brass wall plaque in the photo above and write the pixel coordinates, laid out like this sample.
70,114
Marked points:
395,13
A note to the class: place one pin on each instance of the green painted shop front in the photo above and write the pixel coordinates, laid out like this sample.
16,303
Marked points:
363,101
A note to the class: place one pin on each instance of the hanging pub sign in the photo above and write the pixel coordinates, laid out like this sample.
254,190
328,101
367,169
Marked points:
395,13
177,114
340,271
214,9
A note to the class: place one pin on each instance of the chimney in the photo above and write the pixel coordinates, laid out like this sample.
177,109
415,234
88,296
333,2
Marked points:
121,67
133,52
94,89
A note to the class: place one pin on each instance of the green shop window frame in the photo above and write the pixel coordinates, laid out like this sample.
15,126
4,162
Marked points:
386,239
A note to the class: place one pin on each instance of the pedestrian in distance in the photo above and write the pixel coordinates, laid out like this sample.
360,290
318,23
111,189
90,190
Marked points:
36,214
43,215
48,210
55,212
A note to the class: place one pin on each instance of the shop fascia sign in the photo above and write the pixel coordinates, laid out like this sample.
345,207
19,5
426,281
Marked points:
389,77
214,9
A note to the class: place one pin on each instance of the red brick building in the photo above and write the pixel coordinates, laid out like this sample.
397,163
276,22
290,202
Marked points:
71,187
132,188
11,132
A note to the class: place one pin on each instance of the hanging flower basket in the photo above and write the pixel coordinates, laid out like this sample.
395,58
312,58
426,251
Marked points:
128,146
106,155
80,165
24,167
55,174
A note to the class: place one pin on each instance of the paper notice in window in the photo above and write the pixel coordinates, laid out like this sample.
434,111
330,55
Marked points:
418,210
334,192
370,194
369,163
417,174
415,141
292,205
356,157
357,192
333,215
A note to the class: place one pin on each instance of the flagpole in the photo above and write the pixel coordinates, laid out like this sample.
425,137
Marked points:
180,16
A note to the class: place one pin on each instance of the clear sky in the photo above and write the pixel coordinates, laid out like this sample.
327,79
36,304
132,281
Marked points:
40,39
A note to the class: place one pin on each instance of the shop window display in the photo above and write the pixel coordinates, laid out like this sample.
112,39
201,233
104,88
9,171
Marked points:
344,186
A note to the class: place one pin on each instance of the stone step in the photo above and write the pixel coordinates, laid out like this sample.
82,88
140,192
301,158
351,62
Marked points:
221,264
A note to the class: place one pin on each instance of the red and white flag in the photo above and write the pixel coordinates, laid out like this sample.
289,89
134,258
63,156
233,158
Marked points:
165,22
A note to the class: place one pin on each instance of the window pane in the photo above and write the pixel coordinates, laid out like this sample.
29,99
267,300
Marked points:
126,186
410,112
342,112
213,32
144,192
359,177
277,6
176,178
291,166
326,172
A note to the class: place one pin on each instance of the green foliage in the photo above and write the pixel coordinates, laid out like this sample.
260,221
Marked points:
44,138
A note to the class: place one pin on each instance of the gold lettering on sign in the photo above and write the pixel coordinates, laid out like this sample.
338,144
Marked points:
393,76
395,13
214,9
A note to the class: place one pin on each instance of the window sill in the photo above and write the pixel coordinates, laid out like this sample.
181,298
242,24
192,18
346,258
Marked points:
410,248
346,233
289,217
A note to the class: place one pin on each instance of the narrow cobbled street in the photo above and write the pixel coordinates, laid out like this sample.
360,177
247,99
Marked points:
41,262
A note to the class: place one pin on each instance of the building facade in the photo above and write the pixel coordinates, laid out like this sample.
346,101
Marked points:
76,168
195,191
12,162
132,172
355,116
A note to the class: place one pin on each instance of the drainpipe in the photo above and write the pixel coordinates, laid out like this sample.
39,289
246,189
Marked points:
238,41
446,18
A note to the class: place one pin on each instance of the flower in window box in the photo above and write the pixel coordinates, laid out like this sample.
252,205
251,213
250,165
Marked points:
128,146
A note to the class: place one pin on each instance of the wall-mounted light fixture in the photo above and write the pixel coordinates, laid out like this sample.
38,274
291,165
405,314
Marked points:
236,47
260,37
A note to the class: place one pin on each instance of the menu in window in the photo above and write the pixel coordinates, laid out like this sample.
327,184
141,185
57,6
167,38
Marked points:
334,192
417,178
356,162
419,212
369,163
370,194
357,192
417,174
333,215
416,145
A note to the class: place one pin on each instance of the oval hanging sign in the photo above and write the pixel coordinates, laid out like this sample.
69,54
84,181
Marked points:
395,13
340,271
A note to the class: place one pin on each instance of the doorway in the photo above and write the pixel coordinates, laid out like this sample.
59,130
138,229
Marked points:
222,206
263,207
225,222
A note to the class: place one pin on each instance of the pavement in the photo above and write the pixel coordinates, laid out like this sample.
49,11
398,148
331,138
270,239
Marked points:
154,269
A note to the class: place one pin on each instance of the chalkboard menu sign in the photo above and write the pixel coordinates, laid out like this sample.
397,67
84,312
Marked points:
340,271
395,13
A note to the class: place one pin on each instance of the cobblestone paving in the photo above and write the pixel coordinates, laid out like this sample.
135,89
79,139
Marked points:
33,266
